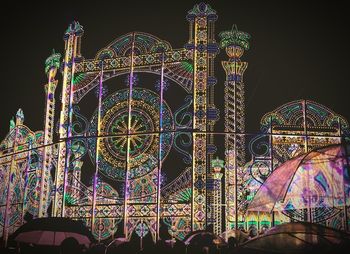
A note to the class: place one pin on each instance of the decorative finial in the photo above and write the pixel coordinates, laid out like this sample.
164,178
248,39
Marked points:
234,37
73,29
52,61
19,116
202,9
234,42
217,163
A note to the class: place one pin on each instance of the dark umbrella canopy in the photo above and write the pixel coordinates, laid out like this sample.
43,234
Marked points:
203,238
309,229
298,237
52,231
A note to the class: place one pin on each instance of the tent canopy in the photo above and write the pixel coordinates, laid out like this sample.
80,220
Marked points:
319,178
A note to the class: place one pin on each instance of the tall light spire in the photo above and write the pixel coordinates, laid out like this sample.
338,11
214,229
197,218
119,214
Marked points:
234,42
52,64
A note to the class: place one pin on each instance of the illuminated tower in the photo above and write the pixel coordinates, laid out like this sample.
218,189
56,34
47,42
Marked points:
52,64
202,42
234,42
217,166
72,39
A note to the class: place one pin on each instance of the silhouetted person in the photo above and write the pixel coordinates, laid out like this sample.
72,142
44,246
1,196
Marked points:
28,217
205,250
231,242
179,247
148,244
70,245
253,232
96,248
163,232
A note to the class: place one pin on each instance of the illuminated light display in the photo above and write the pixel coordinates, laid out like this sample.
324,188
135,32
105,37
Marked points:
20,171
217,166
143,148
289,131
234,42
315,182
137,159
51,66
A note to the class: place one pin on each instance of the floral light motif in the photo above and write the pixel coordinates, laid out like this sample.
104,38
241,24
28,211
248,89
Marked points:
234,37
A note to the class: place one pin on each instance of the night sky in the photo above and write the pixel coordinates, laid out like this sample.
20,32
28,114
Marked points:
297,51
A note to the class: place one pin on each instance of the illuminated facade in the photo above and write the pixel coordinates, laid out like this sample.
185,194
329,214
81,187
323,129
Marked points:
138,158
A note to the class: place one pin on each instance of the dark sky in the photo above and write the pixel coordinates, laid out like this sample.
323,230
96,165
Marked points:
297,51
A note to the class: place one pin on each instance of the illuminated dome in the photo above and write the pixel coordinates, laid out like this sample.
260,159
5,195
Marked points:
317,179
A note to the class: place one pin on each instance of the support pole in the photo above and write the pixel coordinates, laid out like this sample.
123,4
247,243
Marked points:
271,165
309,209
129,132
97,151
348,172
26,173
69,129
160,147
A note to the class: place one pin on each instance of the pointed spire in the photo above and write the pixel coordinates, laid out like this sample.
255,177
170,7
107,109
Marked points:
73,29
200,10
234,28
19,117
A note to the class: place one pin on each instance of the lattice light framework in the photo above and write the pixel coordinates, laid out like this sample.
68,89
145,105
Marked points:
134,131
187,67
52,64
72,51
290,130
20,168
201,19
234,42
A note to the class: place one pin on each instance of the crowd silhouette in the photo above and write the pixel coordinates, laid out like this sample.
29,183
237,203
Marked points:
203,244
198,242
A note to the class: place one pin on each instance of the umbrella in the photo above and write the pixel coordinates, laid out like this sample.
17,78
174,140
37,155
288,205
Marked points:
297,237
52,231
203,238
315,179
115,243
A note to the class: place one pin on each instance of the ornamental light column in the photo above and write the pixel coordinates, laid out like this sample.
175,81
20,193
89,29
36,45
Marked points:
72,39
52,64
202,43
234,42
217,166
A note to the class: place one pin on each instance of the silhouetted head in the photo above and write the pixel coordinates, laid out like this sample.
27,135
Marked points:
70,245
231,241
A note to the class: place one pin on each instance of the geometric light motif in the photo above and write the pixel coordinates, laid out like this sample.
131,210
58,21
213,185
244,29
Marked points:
143,148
